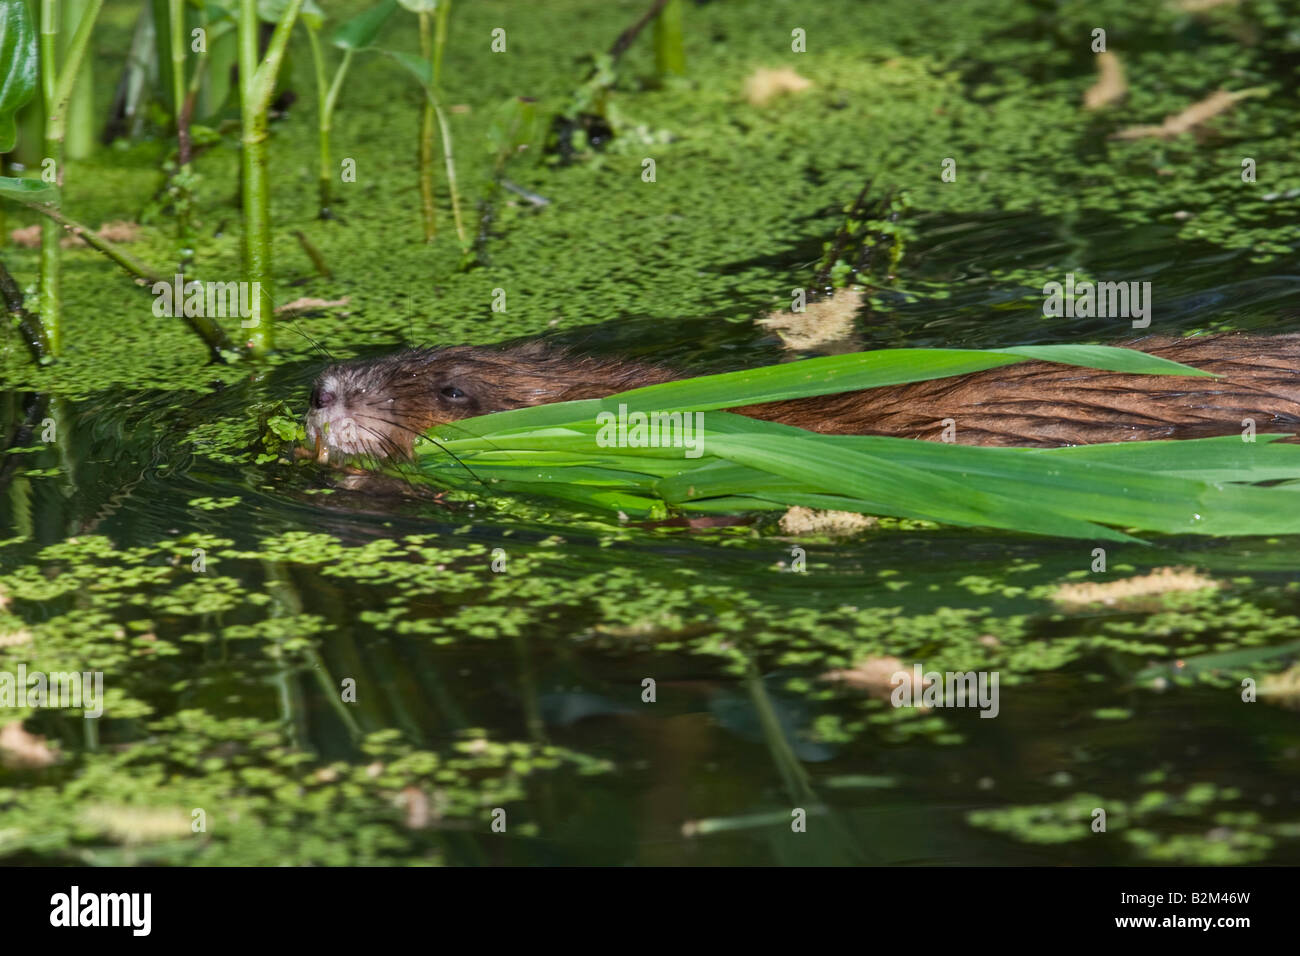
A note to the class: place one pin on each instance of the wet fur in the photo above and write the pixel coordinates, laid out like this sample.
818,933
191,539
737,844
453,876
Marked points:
1043,404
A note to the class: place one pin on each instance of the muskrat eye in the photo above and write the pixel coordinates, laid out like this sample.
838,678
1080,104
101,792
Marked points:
451,391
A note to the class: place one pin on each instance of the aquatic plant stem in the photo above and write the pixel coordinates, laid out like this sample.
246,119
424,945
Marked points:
49,303
256,194
450,161
207,328
81,139
322,121
670,54
798,786
428,212
625,38
57,219
327,95
440,41
431,48
256,85
314,255
439,45
182,105
56,90
176,21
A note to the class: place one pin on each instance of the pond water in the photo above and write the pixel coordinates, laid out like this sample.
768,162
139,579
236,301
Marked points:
334,676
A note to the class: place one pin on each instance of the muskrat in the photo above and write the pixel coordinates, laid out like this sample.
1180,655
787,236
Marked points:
379,406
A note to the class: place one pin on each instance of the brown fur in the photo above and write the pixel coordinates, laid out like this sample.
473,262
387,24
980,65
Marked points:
1042,404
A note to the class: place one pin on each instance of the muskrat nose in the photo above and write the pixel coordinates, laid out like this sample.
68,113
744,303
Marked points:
321,399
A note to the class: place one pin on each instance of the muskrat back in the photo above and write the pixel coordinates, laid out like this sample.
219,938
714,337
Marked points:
379,406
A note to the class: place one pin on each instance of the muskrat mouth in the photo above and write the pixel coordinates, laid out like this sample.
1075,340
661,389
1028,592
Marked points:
337,439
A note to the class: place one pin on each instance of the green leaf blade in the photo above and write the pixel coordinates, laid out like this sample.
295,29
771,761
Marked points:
363,29
19,66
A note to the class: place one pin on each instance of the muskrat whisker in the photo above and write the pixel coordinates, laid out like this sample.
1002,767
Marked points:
441,447
293,326
399,456
396,424
470,434
454,457
396,454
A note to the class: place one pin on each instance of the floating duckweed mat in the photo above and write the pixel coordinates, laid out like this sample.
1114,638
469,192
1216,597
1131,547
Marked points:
1200,486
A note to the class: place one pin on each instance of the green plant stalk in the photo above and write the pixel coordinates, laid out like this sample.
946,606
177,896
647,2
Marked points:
176,48
184,151
439,42
314,255
428,213
56,90
55,216
50,305
207,328
670,53
256,195
196,79
182,104
256,85
327,95
327,115
450,162
81,107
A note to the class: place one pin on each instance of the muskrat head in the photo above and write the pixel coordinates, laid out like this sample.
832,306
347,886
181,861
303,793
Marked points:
379,406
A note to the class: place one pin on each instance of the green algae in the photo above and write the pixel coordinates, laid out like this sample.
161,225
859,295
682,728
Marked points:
878,105
1237,837
265,803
